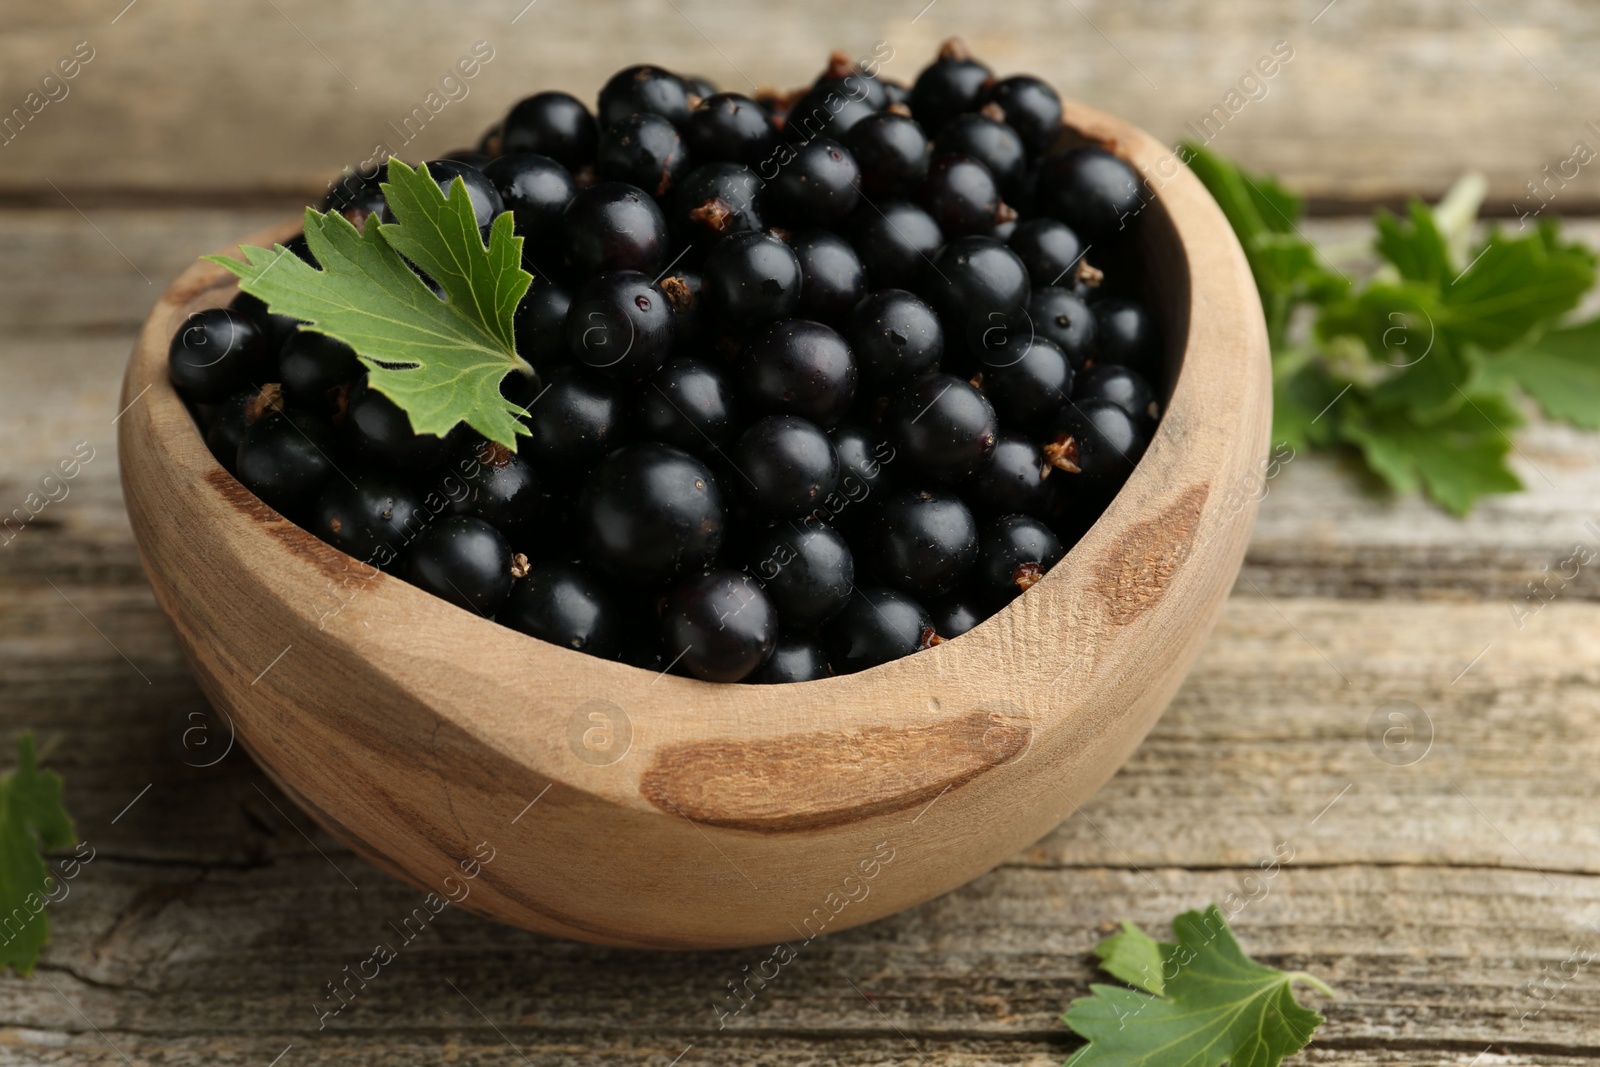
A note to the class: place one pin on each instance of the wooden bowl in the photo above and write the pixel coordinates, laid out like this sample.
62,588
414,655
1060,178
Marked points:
597,801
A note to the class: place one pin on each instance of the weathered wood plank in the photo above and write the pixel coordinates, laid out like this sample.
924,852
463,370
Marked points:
1378,99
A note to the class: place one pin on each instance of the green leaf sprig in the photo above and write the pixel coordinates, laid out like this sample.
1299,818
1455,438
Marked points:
440,359
32,821
1422,368
1196,1002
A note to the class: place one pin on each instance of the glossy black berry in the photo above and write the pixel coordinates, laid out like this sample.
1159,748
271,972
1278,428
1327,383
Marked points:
277,328
313,369
921,541
1127,334
978,285
954,615
865,456
379,432
621,324
356,195
1062,317
541,324
698,86
1094,446
807,570
644,150
1123,387
552,124
644,88
961,195
650,512
752,278
1028,383
944,427
830,108
895,338
615,226
575,421
876,626
462,560
1015,553
1049,249
892,152
501,489
994,144
536,190
482,194
896,241
284,459
832,279
217,352
952,84
234,416
569,605
718,626
728,126
1030,107
793,659
1016,480
799,367
372,516
1089,189
689,404
820,185
714,199
785,466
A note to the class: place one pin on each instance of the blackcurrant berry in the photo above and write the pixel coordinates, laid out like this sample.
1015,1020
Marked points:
793,659
876,626
1028,383
832,277
615,226
921,541
1015,481
217,352
277,328
864,457
718,626
1123,387
820,185
944,426
536,190
895,338
1030,107
727,126
830,108
961,195
1089,189
752,278
1048,248
379,432
785,466
568,605
283,459
371,516
650,512
462,560
698,86
620,324
501,489
313,369
644,150
574,422
807,571
896,241
234,416
892,152
541,324
717,198
994,144
954,615
1095,445
689,404
481,193
978,285
552,124
799,367
356,195
1061,316
1127,334
648,89
1016,552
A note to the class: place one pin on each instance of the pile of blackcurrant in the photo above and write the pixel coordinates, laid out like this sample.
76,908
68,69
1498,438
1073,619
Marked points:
822,379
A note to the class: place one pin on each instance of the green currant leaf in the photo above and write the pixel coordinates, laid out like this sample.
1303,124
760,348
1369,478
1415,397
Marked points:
32,821
1456,459
1216,1006
441,360
1561,371
1133,956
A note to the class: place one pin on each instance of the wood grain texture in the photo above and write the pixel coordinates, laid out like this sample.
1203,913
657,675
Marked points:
1379,99
416,732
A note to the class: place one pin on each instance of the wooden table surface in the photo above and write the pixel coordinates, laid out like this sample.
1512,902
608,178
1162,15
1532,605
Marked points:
1439,882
